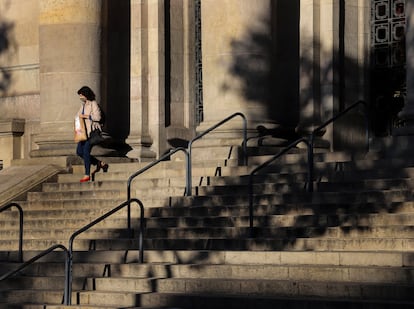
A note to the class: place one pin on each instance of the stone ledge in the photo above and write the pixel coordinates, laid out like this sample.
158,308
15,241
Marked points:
12,126
16,181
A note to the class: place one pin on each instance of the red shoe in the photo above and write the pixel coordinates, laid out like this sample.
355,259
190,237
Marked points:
85,179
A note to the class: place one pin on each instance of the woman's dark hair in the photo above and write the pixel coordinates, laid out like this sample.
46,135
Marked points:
87,92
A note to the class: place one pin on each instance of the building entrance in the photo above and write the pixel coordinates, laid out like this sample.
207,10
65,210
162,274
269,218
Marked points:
388,64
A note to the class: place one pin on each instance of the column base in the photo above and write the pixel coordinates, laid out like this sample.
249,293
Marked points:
140,149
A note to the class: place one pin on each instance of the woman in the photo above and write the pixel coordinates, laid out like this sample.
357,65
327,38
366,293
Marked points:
91,114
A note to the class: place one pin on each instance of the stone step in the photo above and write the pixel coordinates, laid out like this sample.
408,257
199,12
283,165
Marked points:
382,232
178,162
203,301
381,173
76,195
236,244
115,185
101,272
92,199
95,203
39,296
284,209
155,185
258,288
97,208
292,288
345,221
294,244
376,163
395,231
101,258
95,273
387,196
115,194
123,172
79,244
72,204
270,192
174,301
65,233
322,170
313,220
315,273
119,221
109,298
87,307
22,306
121,192
369,184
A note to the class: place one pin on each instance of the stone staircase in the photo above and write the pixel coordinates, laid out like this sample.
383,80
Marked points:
347,245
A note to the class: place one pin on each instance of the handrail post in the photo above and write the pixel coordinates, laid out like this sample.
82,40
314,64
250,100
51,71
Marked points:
310,163
69,272
69,269
188,173
190,168
66,294
367,125
20,209
150,165
141,231
244,144
190,144
266,163
251,232
312,135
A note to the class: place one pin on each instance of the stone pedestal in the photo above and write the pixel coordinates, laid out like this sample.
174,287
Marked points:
69,41
11,141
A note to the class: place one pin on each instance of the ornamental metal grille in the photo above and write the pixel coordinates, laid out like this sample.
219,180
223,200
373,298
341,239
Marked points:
388,62
388,33
198,65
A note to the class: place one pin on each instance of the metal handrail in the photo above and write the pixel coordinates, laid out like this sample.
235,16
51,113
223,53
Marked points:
310,145
162,158
66,297
20,257
339,115
96,221
265,164
244,144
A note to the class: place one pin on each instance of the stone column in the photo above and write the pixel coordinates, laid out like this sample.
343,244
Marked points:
319,46
407,114
309,72
70,56
139,138
154,72
235,65
147,79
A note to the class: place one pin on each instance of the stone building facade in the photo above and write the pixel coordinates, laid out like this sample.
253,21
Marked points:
164,70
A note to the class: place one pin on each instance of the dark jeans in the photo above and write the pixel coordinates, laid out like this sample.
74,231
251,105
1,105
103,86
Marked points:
84,151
